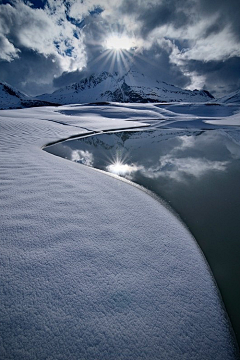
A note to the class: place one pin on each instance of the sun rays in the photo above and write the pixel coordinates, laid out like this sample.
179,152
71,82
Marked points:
116,53
119,165
119,53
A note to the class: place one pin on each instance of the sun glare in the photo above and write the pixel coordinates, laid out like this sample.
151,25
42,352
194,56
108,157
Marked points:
118,168
119,43
118,52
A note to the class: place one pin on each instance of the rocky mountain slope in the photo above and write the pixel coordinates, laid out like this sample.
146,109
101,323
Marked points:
11,98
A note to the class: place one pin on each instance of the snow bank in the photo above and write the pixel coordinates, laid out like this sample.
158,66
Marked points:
91,267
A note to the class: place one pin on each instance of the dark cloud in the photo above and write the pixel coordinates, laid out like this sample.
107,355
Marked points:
68,78
129,7
156,63
221,77
159,15
214,28
154,15
31,73
228,10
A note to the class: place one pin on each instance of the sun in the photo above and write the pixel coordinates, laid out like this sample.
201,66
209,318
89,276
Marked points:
118,51
119,42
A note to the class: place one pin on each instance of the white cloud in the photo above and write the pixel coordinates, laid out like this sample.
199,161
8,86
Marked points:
83,157
179,168
47,32
8,51
78,9
177,165
218,47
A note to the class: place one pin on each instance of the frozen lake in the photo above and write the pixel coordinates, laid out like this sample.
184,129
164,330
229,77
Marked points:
196,172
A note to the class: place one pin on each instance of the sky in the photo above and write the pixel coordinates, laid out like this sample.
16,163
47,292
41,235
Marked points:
47,44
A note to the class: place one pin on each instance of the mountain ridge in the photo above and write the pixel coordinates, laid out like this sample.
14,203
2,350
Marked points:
232,98
11,98
130,87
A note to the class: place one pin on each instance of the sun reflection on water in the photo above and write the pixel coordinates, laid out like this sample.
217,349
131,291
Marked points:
119,165
121,169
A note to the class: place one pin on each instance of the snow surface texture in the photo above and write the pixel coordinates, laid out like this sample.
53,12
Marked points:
93,268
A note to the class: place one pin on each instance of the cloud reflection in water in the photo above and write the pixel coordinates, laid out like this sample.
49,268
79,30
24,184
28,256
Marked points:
82,157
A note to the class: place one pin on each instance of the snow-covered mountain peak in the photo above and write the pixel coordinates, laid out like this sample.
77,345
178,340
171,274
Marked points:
133,86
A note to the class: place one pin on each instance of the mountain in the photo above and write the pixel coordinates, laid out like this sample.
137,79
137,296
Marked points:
11,98
131,87
233,98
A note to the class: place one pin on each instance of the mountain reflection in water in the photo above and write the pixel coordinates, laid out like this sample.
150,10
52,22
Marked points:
197,172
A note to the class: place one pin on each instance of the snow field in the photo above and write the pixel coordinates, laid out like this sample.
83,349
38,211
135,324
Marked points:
91,267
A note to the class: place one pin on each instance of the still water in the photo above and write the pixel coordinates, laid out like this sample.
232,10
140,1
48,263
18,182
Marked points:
196,172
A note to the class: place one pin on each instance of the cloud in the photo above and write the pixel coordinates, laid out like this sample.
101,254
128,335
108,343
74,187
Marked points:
31,73
220,77
164,13
82,157
228,13
217,46
8,51
179,168
199,31
46,34
192,156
